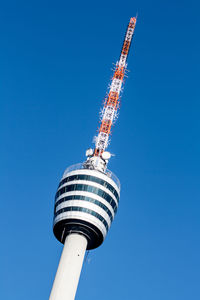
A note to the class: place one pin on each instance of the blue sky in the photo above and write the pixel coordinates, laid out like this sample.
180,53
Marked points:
56,59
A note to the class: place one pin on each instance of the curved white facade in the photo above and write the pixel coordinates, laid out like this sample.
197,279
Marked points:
86,202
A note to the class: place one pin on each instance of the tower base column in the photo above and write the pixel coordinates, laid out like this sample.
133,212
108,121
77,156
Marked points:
69,269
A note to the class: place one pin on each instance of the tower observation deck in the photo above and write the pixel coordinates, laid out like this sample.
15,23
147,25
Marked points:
86,203
88,194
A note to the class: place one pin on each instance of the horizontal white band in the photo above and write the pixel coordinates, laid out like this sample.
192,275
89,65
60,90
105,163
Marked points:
94,173
86,204
83,216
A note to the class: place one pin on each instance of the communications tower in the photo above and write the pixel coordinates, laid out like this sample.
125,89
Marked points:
88,194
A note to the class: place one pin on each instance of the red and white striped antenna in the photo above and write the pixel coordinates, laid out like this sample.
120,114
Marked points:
111,106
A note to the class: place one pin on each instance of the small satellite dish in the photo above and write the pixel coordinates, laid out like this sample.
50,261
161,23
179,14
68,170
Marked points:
89,152
106,155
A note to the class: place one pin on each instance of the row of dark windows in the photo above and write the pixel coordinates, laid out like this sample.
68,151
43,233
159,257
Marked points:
91,178
87,188
82,209
77,197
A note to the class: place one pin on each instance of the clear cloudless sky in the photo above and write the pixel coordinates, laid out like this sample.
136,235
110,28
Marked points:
55,66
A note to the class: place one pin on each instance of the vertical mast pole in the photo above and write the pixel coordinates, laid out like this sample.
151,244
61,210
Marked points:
112,102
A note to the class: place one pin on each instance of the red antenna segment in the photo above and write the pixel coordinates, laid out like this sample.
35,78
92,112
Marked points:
111,106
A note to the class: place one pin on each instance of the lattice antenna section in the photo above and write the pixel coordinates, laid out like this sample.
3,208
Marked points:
109,112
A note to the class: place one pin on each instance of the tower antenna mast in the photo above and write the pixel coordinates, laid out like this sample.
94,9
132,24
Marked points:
98,158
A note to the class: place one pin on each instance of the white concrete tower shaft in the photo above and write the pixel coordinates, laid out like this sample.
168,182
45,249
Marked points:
69,269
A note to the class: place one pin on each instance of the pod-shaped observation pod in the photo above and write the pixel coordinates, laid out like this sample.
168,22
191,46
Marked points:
86,202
